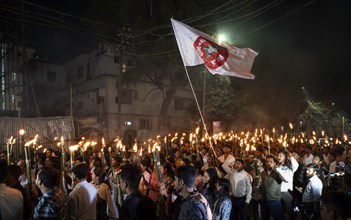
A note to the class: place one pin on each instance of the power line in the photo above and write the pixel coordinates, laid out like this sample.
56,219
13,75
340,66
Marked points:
72,16
299,9
59,24
190,20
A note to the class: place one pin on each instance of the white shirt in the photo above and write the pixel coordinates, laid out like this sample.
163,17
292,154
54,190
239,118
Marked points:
240,182
11,203
230,160
313,190
288,174
82,202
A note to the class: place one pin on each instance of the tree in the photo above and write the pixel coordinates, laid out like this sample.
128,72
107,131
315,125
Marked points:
318,117
154,51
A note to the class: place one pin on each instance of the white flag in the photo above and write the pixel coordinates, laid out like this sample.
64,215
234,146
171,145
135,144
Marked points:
198,48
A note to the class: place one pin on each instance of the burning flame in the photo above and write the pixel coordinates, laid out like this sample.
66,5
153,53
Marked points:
135,147
290,125
22,132
11,140
32,142
73,147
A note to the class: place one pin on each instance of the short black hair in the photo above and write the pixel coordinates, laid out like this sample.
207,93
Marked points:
3,170
146,161
212,173
131,174
169,169
50,177
240,160
79,158
102,175
261,159
225,184
314,166
187,173
228,146
81,170
271,156
14,170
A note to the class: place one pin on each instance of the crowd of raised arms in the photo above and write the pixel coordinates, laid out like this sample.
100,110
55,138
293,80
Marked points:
247,176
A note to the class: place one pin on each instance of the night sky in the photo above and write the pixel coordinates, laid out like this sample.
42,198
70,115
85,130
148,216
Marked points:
307,48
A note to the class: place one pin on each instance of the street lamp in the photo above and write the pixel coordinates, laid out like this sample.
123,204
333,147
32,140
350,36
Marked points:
221,38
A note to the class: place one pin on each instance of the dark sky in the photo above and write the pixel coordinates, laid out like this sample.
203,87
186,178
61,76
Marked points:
310,47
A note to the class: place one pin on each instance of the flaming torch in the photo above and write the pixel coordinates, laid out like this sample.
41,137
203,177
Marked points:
21,133
9,142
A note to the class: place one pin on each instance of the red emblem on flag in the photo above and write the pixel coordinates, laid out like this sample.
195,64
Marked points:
213,54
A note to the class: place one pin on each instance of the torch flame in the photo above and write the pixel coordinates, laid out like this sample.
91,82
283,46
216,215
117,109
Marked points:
135,147
73,147
290,125
197,130
22,132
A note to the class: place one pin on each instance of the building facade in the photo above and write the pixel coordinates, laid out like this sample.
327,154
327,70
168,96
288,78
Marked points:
87,87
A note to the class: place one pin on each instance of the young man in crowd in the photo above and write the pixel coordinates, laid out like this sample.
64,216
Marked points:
227,158
82,200
135,206
241,188
53,203
14,172
11,200
271,191
184,184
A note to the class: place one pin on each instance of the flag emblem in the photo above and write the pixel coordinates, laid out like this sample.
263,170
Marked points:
212,54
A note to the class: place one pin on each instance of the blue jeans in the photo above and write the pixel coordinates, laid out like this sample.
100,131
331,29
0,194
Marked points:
273,207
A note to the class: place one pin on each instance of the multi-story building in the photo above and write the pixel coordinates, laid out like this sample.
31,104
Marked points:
12,73
87,88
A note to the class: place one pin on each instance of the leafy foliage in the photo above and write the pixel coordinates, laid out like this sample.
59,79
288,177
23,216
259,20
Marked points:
319,117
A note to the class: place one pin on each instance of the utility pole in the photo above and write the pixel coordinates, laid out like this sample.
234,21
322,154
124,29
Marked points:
124,46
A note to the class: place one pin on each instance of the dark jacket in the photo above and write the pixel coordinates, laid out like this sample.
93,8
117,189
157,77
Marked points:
138,206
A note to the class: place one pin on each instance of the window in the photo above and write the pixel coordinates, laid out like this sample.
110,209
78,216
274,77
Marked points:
80,72
51,77
116,59
14,76
126,97
145,124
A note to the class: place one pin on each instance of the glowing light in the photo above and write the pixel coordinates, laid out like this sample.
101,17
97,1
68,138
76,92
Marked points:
221,38
22,131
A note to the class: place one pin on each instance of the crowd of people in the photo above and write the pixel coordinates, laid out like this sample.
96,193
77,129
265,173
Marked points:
220,182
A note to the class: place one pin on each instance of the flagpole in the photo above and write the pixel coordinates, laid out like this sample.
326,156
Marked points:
192,89
204,96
